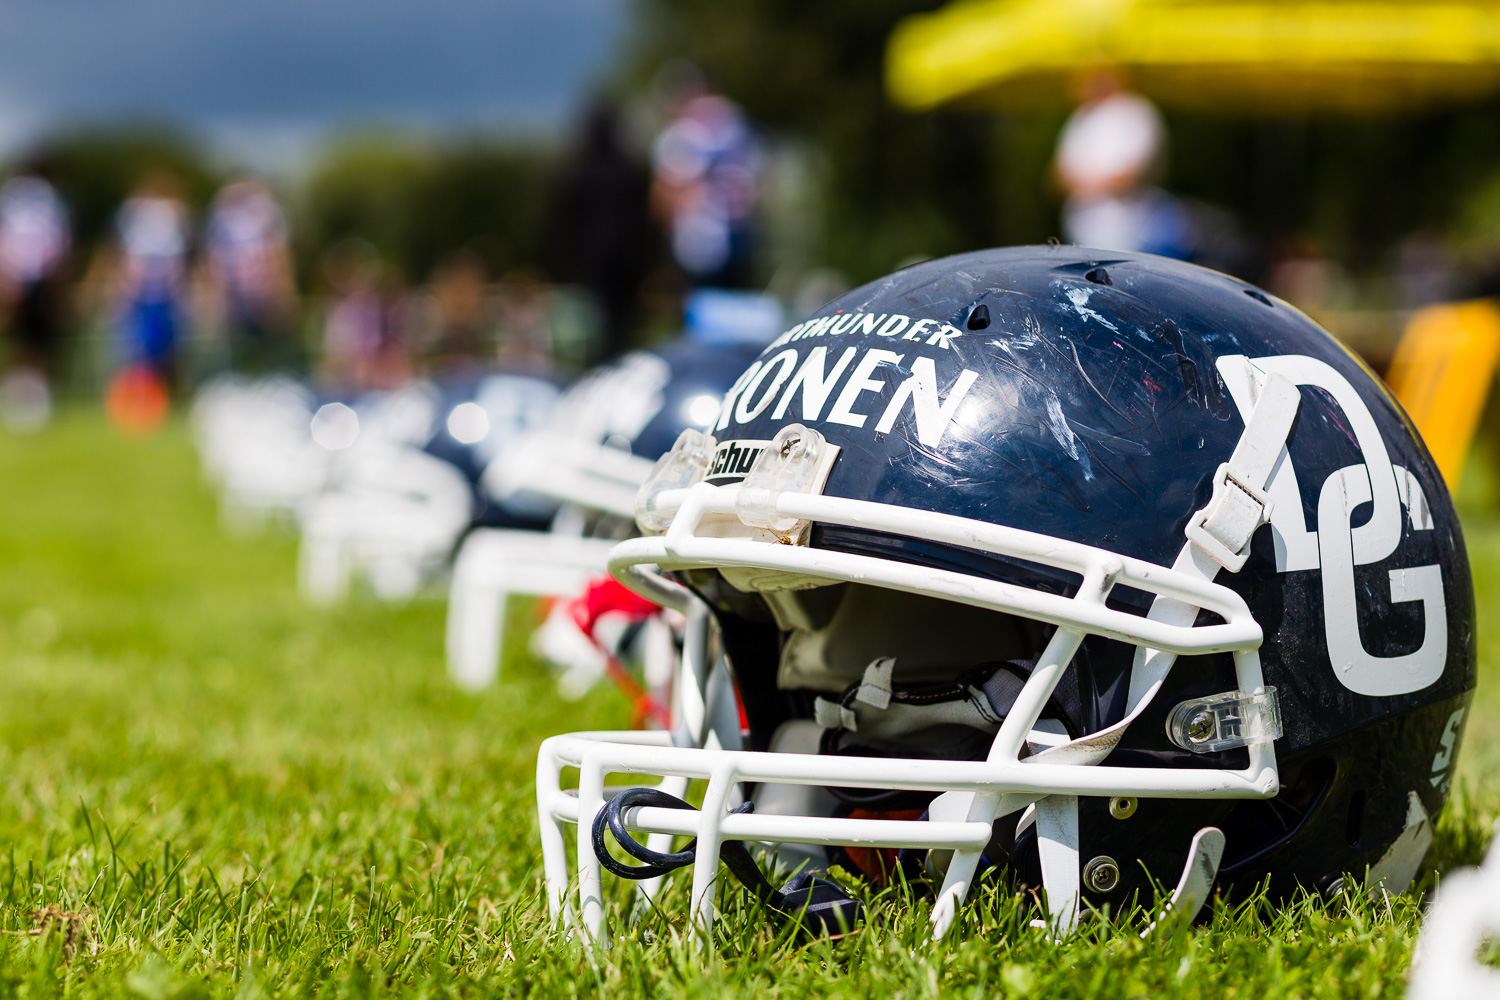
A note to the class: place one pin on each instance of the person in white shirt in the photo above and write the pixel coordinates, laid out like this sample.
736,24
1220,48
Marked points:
1108,156
34,243
250,264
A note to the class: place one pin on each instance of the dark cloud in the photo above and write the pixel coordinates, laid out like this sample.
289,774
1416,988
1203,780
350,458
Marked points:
302,64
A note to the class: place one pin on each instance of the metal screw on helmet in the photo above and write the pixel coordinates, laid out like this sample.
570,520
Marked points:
1101,874
1200,727
1122,806
1225,721
788,445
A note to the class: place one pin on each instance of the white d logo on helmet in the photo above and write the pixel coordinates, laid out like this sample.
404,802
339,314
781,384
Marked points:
1336,547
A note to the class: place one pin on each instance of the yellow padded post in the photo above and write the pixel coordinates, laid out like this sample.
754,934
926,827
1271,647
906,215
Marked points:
1442,373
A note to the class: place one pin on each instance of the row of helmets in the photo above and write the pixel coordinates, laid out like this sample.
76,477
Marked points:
493,484
1105,574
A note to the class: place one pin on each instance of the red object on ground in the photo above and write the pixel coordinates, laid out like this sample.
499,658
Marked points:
137,401
604,596
879,863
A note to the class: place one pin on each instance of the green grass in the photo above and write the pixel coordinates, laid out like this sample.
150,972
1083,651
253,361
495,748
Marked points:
246,797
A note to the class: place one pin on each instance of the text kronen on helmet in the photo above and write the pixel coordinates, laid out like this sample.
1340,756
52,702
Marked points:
786,378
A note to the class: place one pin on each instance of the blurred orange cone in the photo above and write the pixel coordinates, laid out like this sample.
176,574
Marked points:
137,401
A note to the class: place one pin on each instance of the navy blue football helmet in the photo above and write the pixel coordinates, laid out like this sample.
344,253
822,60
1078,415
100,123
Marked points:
478,419
599,444
1090,568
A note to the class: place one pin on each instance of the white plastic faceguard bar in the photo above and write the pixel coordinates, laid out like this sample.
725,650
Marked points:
1466,913
981,791
570,470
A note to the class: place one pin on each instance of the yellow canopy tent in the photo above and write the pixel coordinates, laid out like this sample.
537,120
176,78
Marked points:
1224,55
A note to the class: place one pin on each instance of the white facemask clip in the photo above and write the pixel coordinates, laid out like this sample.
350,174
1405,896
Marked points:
682,467
794,462
1225,721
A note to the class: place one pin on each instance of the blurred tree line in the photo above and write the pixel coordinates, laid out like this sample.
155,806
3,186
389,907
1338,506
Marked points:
96,169
415,202
418,203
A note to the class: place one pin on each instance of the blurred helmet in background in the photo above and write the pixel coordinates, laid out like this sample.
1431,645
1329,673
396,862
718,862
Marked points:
479,419
611,426
406,483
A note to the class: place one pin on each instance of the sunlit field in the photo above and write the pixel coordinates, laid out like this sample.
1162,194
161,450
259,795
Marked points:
209,789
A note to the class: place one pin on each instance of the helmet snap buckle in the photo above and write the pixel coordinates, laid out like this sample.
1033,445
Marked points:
1225,525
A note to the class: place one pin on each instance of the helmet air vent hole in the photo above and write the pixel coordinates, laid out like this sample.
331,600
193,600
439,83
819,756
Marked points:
1355,826
979,319
1099,276
1257,296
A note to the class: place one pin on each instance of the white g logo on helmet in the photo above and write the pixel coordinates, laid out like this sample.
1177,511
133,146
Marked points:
1335,547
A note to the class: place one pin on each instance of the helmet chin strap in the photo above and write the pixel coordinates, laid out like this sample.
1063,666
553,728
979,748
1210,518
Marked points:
1221,540
1057,849
816,905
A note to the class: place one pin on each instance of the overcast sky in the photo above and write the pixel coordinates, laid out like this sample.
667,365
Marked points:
266,77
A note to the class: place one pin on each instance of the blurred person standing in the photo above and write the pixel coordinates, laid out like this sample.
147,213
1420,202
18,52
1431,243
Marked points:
251,271
152,228
364,343
459,320
706,183
34,243
153,231
526,335
602,224
1108,156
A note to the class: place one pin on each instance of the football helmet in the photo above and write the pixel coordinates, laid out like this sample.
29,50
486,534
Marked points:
480,419
609,428
405,487
588,460
1093,568
256,449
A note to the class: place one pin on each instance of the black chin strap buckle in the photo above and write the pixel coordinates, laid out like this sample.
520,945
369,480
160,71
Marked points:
821,907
